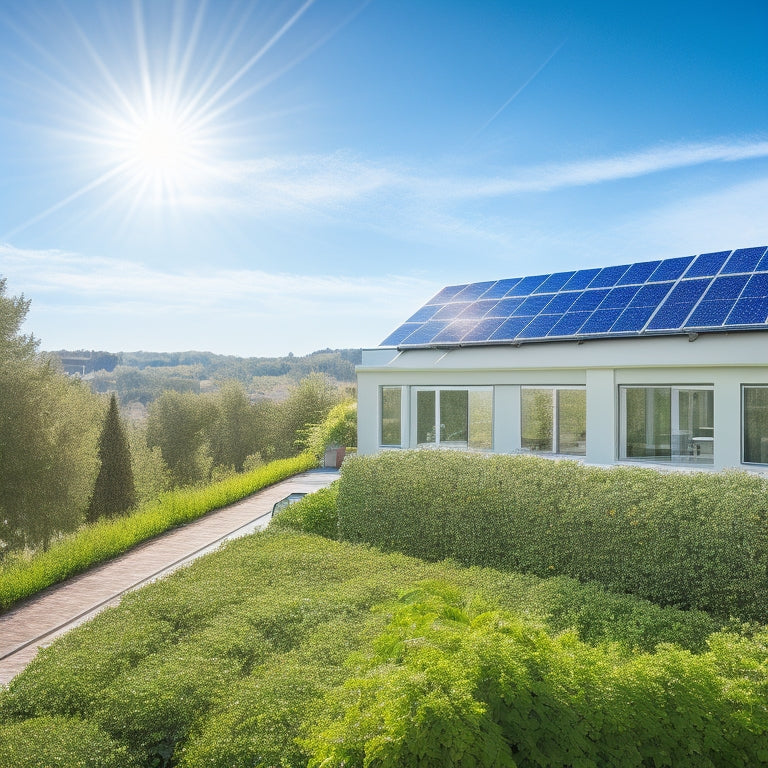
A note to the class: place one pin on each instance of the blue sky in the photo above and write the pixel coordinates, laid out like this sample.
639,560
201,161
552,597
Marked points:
255,178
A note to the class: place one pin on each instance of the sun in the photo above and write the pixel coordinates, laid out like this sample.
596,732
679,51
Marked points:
160,147
160,155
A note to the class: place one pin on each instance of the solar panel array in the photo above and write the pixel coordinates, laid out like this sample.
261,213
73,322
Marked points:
727,290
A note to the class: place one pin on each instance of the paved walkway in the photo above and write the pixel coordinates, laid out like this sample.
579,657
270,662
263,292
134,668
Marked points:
40,620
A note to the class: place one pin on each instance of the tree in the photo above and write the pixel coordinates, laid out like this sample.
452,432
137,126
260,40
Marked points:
114,492
48,433
177,423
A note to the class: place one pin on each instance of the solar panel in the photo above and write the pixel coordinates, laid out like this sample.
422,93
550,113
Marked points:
724,290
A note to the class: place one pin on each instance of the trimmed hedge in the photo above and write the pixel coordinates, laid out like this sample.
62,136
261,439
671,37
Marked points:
696,540
97,542
315,513
288,649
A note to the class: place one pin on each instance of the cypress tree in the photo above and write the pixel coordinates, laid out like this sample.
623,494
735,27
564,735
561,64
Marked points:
114,492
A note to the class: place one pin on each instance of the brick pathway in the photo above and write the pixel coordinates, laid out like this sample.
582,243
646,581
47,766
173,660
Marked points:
40,620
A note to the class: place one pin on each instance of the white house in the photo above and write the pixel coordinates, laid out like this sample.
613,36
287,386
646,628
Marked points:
659,362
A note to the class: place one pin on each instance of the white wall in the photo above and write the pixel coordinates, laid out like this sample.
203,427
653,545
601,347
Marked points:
725,361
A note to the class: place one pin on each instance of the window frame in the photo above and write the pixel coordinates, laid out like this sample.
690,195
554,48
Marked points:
439,443
674,416
743,420
403,399
555,389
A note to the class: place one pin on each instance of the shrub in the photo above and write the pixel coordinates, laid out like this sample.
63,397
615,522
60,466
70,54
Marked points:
315,513
62,742
688,540
104,540
443,685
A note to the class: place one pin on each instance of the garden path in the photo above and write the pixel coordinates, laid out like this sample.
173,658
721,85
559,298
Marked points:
40,620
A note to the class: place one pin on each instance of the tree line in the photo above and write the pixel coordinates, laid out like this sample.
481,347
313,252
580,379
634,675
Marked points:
56,436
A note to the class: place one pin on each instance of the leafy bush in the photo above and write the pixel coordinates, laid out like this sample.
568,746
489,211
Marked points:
315,513
688,540
338,428
59,741
445,686
106,539
265,651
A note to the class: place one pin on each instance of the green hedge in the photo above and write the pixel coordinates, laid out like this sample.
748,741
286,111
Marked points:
285,649
697,540
315,513
106,539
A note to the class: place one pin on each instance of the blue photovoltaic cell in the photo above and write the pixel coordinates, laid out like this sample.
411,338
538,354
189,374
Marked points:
539,327
425,313
554,282
708,264
449,311
757,287
456,331
638,273
478,309
608,276
670,269
619,298
581,280
743,260
688,290
671,315
632,319
472,291
510,328
600,321
561,303
569,324
444,296
714,291
726,287
748,312
651,295
533,305
710,313
506,307
589,300
485,328
400,334
527,285
500,288
426,332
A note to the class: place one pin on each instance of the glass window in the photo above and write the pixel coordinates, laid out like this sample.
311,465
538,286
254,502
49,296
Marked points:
391,418
674,424
481,419
754,420
455,417
425,417
554,420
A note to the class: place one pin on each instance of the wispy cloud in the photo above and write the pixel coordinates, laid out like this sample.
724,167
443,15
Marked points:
342,179
97,282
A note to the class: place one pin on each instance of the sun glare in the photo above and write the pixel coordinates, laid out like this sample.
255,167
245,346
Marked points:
160,112
159,147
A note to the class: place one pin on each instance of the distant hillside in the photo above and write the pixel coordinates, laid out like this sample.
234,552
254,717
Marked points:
142,376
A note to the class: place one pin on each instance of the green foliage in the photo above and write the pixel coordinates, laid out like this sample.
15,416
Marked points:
689,540
177,424
338,428
114,492
106,539
448,686
59,742
315,513
308,403
286,649
48,434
